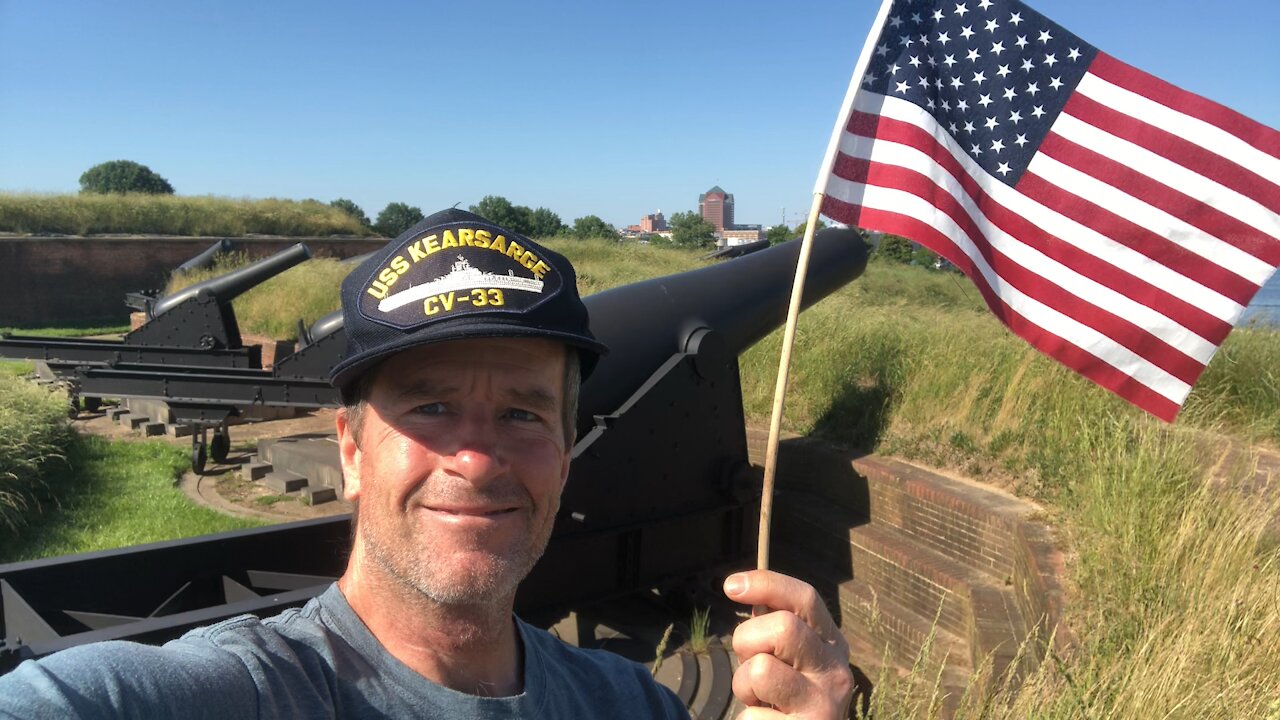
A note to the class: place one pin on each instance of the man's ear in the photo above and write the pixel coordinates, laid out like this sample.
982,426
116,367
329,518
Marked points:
349,453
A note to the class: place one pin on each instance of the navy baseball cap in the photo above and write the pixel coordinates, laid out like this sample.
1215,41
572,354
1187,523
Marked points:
455,276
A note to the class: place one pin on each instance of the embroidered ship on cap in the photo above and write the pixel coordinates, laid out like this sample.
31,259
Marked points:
461,277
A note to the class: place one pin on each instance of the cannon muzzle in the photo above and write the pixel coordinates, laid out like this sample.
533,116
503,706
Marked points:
325,326
205,259
227,287
740,300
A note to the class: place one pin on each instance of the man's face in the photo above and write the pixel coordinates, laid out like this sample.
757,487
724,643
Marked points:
461,460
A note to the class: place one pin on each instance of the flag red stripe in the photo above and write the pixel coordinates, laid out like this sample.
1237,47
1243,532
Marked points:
1153,88
1202,216
1177,149
1189,316
1046,342
1127,334
1138,237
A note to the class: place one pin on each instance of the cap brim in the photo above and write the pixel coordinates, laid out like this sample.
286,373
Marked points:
346,372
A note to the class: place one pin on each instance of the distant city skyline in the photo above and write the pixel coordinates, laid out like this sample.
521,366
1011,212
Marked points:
607,109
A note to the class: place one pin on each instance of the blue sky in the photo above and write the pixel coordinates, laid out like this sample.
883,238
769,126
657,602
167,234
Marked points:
601,107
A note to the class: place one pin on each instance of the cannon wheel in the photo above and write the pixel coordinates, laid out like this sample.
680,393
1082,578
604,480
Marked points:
199,454
220,445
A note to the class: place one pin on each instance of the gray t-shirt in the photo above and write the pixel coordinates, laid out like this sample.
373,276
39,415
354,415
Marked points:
318,661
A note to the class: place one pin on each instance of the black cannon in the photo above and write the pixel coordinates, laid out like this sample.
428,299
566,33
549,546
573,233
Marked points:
193,327
142,300
660,489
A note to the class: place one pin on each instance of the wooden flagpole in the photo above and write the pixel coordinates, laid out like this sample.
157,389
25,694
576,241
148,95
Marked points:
797,290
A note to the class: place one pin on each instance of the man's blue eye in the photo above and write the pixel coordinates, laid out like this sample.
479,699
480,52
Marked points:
431,409
518,414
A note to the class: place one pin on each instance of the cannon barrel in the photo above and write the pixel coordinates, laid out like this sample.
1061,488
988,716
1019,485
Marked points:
741,300
325,326
227,287
205,259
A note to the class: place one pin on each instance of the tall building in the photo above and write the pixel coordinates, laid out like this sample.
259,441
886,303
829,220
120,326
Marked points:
653,223
716,207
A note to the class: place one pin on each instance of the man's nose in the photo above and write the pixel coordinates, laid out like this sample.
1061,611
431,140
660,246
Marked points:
480,454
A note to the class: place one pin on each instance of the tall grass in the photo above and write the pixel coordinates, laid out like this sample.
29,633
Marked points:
33,436
171,215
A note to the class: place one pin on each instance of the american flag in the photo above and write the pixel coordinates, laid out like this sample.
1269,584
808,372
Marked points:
1117,223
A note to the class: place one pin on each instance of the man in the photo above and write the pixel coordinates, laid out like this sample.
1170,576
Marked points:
465,348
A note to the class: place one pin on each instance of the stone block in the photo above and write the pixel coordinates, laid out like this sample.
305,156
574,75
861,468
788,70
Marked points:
318,495
283,481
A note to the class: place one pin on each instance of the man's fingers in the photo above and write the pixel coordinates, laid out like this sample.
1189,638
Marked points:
783,635
764,680
781,592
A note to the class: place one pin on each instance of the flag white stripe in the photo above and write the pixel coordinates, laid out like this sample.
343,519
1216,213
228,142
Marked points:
1068,230
1206,135
1035,312
1165,171
1186,235
1089,290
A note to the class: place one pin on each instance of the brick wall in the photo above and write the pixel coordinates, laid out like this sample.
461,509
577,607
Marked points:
51,281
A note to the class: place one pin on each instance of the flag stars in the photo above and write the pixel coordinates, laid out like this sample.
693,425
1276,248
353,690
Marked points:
915,18
868,79
895,22
985,100
1020,140
906,41
1037,112
1032,89
975,150
991,123
979,77
954,129
991,26
924,40
1015,19
1055,83
923,82
1051,59
966,32
949,60
914,61
1045,36
1004,168
946,106
956,82
973,55
933,63
901,87
1009,93
937,15
943,39
997,146
997,48
1027,65
1015,117
1021,42
893,69
969,128
962,105
1002,70
882,50
929,103
961,9
1074,54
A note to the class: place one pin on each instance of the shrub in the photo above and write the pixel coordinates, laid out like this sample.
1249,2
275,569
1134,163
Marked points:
395,218
123,176
33,434
349,207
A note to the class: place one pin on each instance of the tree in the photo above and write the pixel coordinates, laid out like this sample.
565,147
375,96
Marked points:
778,234
894,249
349,207
499,211
123,176
592,226
925,258
543,223
395,218
801,227
689,229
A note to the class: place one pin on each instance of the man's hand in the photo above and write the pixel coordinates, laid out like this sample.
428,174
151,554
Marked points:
794,661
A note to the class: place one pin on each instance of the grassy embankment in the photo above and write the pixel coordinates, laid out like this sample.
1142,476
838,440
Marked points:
1174,585
171,215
